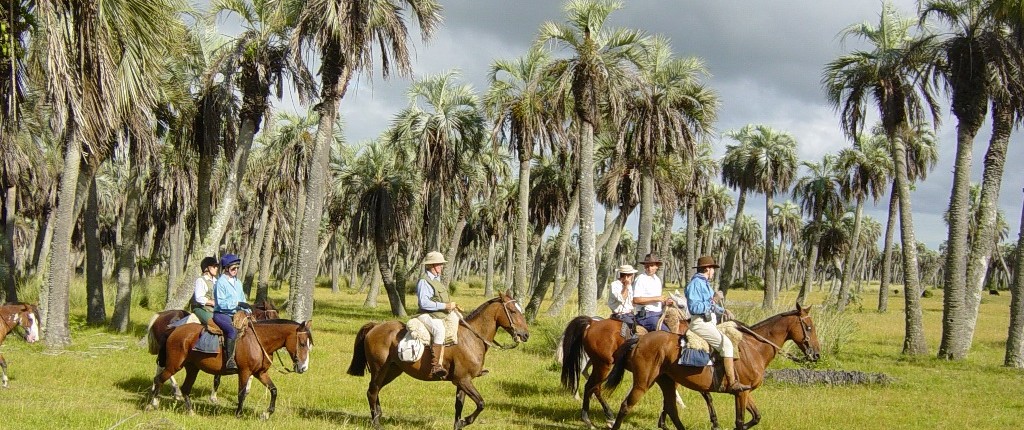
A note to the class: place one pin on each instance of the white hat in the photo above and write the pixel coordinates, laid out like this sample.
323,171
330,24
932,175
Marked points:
434,257
627,269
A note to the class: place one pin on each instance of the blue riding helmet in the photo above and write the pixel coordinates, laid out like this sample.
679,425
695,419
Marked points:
229,259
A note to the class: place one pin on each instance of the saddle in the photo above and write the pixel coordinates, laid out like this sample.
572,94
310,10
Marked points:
418,331
694,341
238,321
672,317
211,339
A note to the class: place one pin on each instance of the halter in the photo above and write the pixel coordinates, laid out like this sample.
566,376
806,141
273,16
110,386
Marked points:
495,343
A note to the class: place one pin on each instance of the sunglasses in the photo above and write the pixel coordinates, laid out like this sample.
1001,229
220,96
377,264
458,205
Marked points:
233,268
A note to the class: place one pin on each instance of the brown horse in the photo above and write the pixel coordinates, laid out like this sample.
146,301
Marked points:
652,359
158,331
599,339
252,354
376,349
17,315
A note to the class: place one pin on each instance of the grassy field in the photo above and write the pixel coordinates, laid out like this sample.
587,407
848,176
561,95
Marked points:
101,380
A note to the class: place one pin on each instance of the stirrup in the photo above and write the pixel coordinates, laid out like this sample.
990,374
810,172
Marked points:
438,372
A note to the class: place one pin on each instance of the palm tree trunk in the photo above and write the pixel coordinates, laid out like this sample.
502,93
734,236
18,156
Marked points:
10,291
520,279
690,257
770,287
460,226
293,257
126,248
228,200
395,290
985,236
588,264
851,258
177,253
608,250
335,255
886,276
1015,336
810,268
914,341
44,235
374,286
55,310
249,266
96,311
489,279
730,254
646,225
555,254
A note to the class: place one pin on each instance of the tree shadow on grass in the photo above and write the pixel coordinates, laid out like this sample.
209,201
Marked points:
361,419
548,416
519,389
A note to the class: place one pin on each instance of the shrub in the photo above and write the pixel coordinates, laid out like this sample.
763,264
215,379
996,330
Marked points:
749,282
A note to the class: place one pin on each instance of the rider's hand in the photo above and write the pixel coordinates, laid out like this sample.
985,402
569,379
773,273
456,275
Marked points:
727,316
449,306
670,302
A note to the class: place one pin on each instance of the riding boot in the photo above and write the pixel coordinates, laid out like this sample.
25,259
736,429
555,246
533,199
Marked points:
229,352
732,383
437,371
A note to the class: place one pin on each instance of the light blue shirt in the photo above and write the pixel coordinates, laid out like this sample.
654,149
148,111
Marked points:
699,294
424,292
227,292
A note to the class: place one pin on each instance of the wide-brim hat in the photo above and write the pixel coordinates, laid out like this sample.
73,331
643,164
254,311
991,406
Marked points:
650,259
434,257
706,261
627,269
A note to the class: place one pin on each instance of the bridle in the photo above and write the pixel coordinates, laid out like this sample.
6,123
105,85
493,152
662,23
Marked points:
805,345
511,322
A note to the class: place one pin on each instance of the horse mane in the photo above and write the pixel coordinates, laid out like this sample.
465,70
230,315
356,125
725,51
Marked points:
286,322
772,318
480,309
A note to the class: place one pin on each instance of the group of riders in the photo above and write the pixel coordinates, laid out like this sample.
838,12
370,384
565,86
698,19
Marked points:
635,301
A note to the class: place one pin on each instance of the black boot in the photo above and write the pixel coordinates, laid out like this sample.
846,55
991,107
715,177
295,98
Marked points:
229,352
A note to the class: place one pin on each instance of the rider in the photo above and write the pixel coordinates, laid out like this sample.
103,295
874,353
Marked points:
229,298
704,318
202,304
647,295
620,299
434,308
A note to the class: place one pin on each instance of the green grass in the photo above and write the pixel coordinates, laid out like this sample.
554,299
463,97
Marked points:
101,380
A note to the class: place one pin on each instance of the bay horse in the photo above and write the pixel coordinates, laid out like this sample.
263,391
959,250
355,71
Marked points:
17,315
653,358
252,354
158,331
597,339
376,349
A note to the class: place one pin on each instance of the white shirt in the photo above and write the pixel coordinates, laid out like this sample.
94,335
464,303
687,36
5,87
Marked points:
202,294
647,286
619,303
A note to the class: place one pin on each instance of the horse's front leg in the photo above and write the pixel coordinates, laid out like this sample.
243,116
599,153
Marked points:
3,370
243,385
755,415
216,386
669,406
466,385
265,379
711,409
741,408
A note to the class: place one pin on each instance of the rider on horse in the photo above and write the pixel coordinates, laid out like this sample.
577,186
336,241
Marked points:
230,298
434,307
620,299
202,303
647,295
704,318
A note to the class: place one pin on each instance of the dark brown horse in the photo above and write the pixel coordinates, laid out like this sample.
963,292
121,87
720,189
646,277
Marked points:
599,339
652,359
252,354
14,315
376,349
158,331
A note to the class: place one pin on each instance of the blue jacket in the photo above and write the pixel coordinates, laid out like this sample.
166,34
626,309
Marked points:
698,296
227,293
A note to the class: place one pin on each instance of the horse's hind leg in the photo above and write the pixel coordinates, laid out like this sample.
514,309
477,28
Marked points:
154,392
191,372
460,397
755,415
711,409
741,408
216,386
669,406
593,388
378,379
265,379
3,370
174,384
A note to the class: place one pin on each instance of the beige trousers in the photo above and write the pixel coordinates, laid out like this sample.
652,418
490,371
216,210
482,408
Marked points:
708,330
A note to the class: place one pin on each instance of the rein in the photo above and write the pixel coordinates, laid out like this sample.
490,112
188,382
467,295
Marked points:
258,341
757,336
494,343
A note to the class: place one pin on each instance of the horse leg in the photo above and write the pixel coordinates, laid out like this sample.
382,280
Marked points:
174,384
216,386
243,385
711,409
593,388
755,415
265,379
378,379
158,381
466,385
741,408
191,372
669,407
460,397
634,396
3,370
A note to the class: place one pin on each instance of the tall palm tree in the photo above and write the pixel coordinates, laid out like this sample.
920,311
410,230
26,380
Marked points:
712,206
736,176
787,223
866,167
516,103
701,171
383,193
595,75
819,193
769,162
890,74
344,35
1015,336
980,62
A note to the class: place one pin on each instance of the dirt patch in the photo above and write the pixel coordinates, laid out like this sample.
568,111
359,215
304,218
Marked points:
828,377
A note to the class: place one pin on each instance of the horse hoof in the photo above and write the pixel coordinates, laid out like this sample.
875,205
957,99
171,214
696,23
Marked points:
265,416
460,424
191,413
214,400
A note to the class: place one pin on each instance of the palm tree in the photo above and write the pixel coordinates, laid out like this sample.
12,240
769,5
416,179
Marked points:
889,73
921,156
819,193
343,34
1015,338
769,162
865,168
711,209
698,190
594,77
516,103
787,223
383,193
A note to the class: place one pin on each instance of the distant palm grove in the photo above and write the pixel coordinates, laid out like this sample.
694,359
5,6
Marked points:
137,139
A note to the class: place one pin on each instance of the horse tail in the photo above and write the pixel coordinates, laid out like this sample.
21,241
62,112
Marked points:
619,369
358,365
151,341
574,357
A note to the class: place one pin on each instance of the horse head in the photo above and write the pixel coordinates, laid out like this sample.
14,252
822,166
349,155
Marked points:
804,334
25,315
512,320
299,345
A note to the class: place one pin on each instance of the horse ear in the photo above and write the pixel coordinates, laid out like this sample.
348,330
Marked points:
798,308
308,324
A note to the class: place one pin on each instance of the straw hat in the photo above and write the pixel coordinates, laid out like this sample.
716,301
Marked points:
434,257
706,261
650,259
627,269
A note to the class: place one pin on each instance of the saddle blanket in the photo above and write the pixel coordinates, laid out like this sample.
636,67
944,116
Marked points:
417,337
190,319
692,341
208,343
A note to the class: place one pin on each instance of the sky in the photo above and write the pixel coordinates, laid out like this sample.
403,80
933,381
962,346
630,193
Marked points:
765,59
